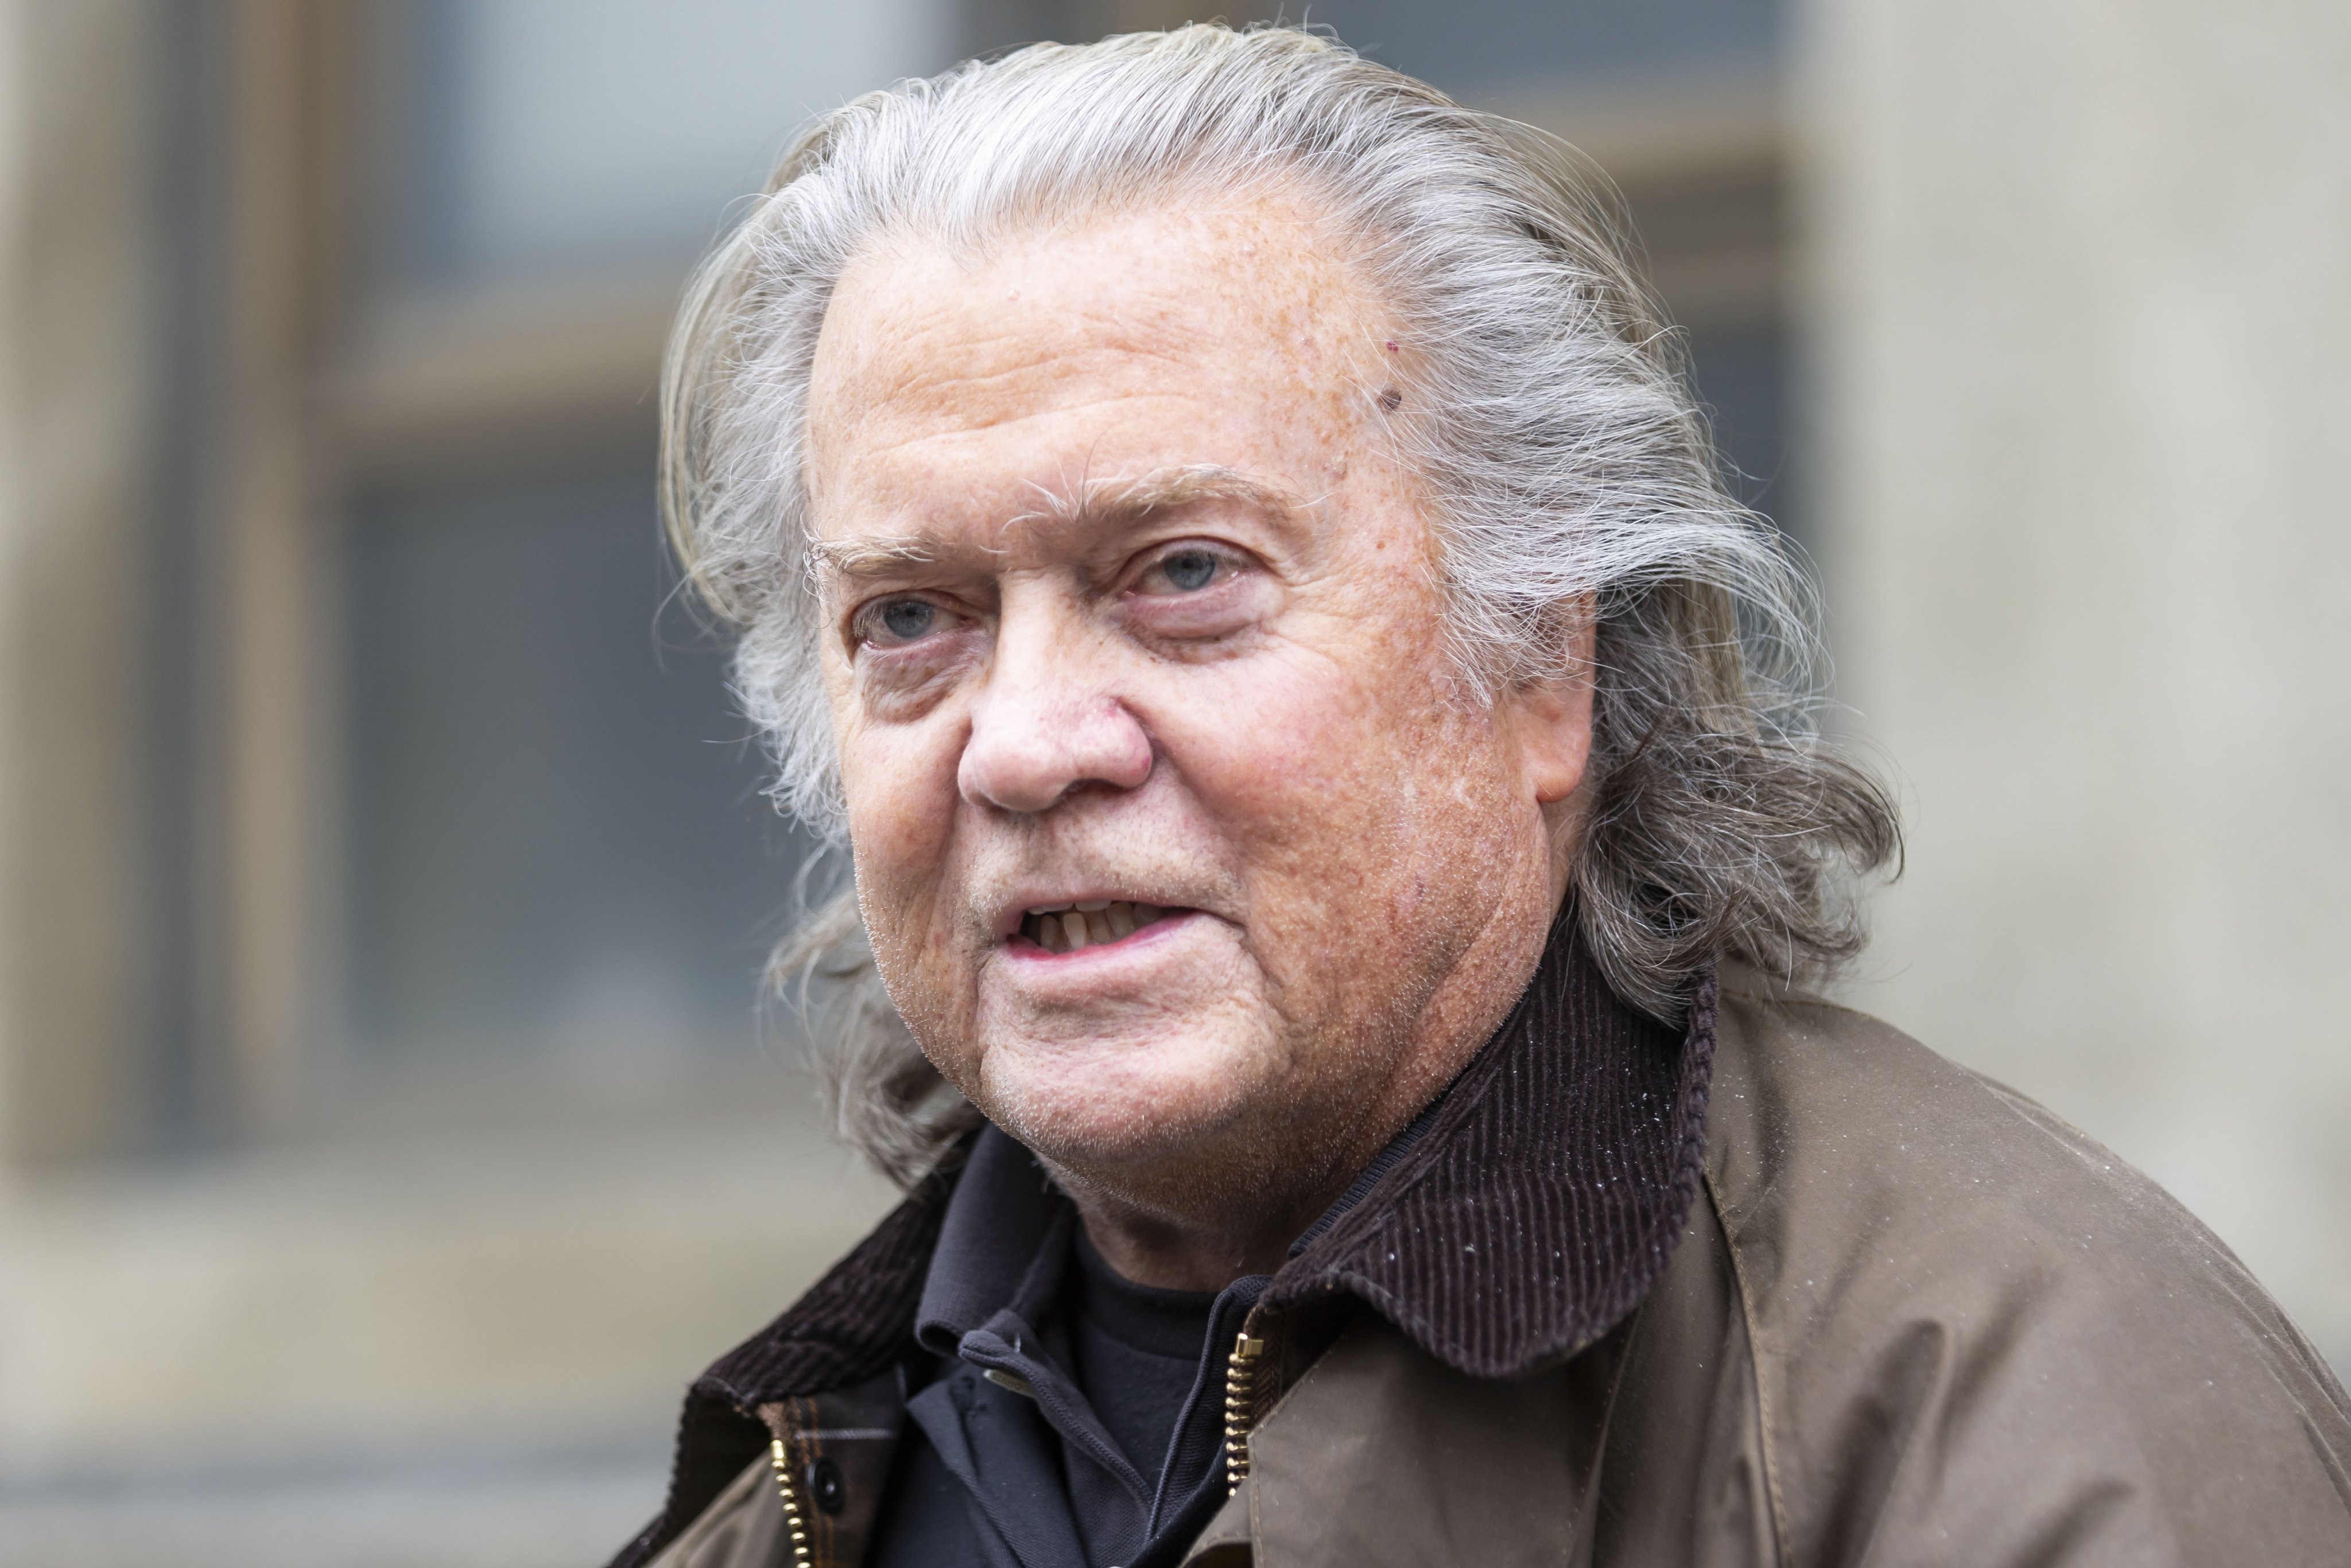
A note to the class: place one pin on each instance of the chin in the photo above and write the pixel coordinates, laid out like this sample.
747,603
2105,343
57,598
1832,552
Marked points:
1100,1108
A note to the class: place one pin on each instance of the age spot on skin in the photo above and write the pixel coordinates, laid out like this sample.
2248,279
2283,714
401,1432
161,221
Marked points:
1390,398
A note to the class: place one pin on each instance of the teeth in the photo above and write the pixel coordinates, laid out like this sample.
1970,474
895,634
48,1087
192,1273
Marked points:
1066,929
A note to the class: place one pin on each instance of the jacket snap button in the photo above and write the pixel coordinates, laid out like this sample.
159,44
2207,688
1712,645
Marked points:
825,1485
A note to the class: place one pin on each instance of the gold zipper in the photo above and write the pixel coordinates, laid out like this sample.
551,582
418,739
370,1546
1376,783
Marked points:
1240,1406
793,1521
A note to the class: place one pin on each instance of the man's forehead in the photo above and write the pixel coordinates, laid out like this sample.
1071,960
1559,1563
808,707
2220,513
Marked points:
1135,333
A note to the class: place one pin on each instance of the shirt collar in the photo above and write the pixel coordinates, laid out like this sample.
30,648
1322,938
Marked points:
1003,1244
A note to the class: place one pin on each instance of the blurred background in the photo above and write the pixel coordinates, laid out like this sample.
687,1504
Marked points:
386,1135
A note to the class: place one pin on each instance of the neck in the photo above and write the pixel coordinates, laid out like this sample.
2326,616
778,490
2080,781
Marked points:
1174,1256
1193,1247
1152,1250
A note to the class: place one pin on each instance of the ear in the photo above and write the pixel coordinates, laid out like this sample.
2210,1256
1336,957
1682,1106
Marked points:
1551,721
1555,737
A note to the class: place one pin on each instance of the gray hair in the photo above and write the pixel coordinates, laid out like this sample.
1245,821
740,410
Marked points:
1572,472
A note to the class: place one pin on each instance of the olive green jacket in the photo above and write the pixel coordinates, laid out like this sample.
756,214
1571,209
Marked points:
1912,1318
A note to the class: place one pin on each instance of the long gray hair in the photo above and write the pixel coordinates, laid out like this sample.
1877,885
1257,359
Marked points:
1572,470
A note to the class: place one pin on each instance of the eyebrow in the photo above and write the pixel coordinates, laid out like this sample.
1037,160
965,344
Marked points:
1092,501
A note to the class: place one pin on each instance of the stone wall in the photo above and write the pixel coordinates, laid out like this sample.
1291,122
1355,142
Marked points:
2079,296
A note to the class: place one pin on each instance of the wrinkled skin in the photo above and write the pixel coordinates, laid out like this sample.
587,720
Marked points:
1064,666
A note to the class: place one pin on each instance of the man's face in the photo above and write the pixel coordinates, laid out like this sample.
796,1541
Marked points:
1181,852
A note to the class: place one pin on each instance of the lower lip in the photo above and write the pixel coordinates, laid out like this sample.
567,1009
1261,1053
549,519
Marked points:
1022,948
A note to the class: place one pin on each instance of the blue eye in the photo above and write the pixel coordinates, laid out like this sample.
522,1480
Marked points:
1189,570
907,618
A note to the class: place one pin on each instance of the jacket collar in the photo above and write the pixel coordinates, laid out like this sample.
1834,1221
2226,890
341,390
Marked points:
1523,1215
1537,1202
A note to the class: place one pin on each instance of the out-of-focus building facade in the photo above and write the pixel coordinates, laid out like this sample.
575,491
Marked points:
2078,306
385,1129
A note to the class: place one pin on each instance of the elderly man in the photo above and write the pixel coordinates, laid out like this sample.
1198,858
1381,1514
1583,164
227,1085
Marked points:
1220,534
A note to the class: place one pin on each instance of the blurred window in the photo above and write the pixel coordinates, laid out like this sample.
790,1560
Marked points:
1466,45
558,872
559,846
537,140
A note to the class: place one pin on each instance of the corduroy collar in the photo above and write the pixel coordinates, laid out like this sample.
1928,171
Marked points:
1544,1195
1523,1216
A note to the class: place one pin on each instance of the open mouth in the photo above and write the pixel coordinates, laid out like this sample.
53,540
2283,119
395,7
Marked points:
1067,928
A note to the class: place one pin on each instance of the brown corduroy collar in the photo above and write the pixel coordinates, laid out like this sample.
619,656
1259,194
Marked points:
1529,1212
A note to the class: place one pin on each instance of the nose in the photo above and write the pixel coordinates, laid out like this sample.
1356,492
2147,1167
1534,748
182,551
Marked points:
1043,727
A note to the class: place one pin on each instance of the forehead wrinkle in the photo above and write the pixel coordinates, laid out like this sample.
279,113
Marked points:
932,361
1160,490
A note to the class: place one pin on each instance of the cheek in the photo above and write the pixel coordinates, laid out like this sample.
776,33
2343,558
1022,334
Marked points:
900,784
1352,766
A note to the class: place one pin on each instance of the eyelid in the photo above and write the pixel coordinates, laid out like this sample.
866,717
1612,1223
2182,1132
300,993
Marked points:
861,622
1240,560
